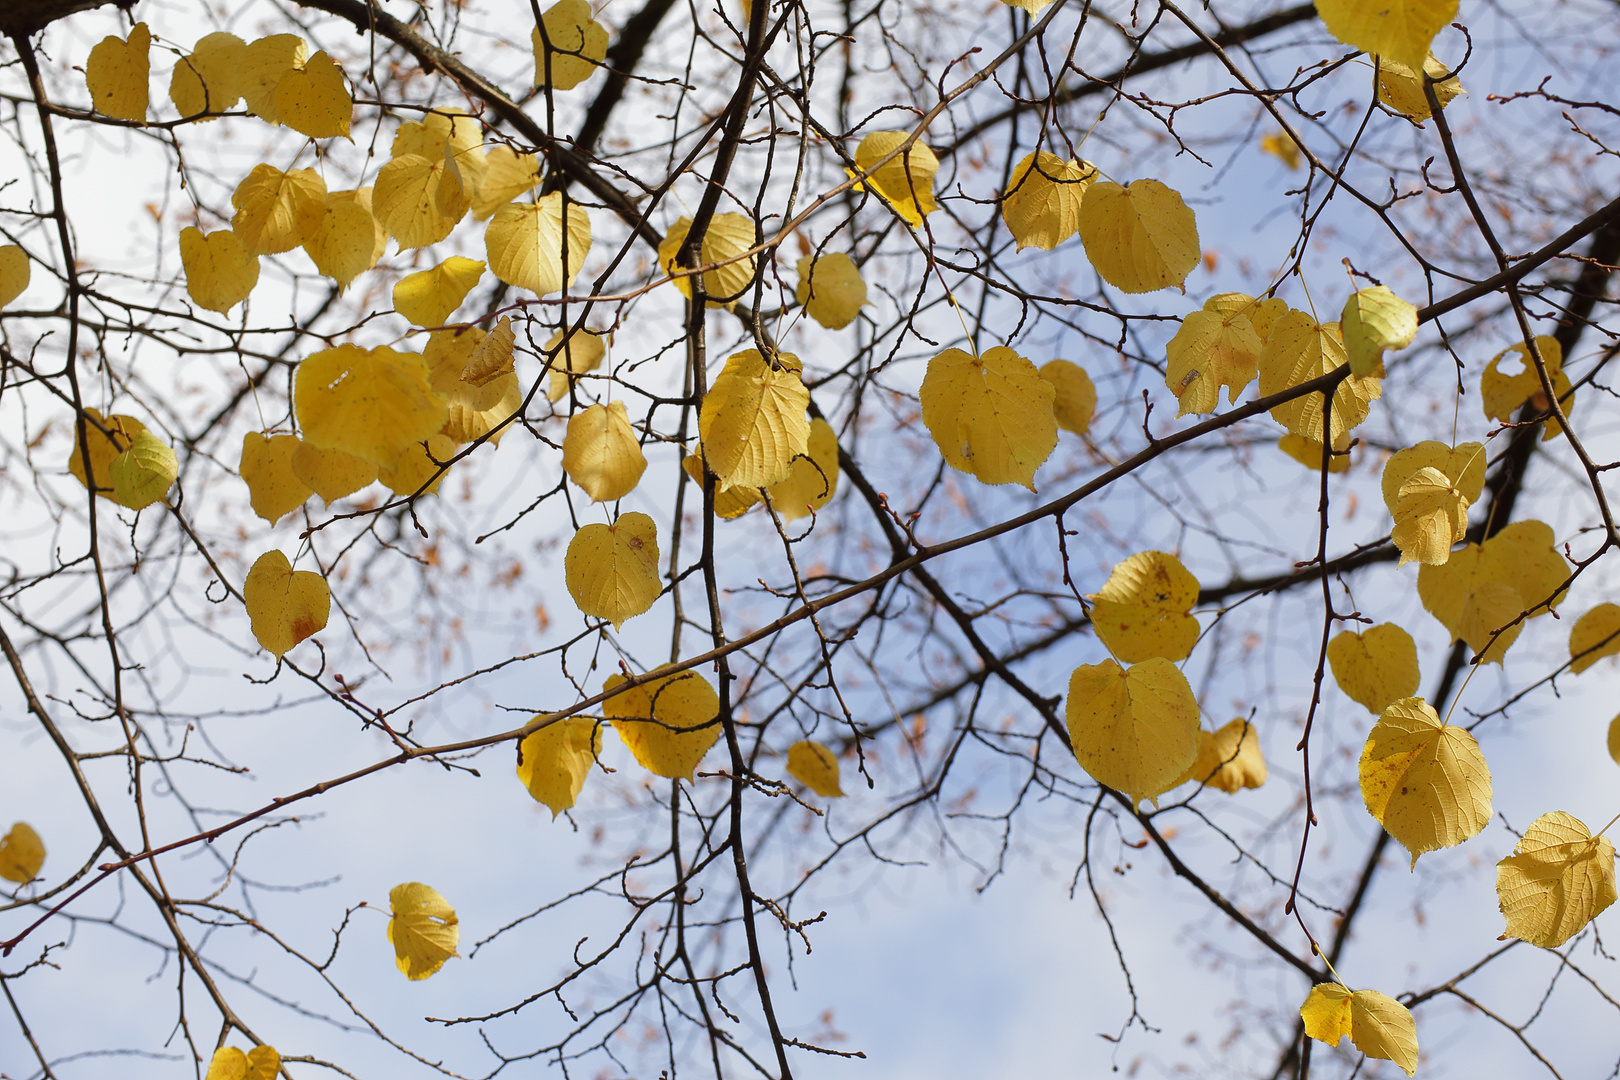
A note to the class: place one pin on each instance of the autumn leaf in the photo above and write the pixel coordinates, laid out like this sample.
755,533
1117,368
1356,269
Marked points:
117,72
601,454
813,479
506,175
1143,609
1228,759
583,353
816,767
1482,589
1076,400
428,297
1558,879
1308,452
577,44
420,468
220,272
524,243
22,853
1594,636
331,474
349,240
143,474
1430,516
1135,729
210,79
491,357
264,62
1215,347
372,403
423,929
1379,1026
905,182
1376,666
313,99
419,199
1501,395
274,488
1280,145
668,722
1373,320
277,211
612,570
1425,781
1140,237
14,273
831,289
991,416
1465,465
1399,29
728,236
732,502
1042,203
1299,349
752,422
1401,89
554,761
108,437
230,1063
285,605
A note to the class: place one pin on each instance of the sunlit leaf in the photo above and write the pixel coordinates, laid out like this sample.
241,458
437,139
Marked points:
1140,237
117,73
1308,452
220,273
423,929
1373,320
730,503
492,357
143,474
668,722
1379,1026
1465,465
584,352
331,474
1501,394
420,468
906,182
1282,147
372,403
108,437
612,570
1216,346
1594,636
314,100
601,453
1430,516
813,479
1400,88
991,416
1142,610
14,273
210,79
1425,781
230,1063
1558,879
1399,29
277,211
264,63
418,199
1042,204
577,44
1136,729
728,236
428,297
1375,666
831,289
816,767
752,422
1229,759
554,761
274,488
506,175
525,244
1299,349
349,240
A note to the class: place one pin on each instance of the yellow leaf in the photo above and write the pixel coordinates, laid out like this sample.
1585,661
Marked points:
314,100
1075,402
831,289
668,723
813,479
1299,349
612,570
230,1063
731,503
1399,29
418,199
577,44
1228,759
285,605
1426,782
906,182
22,853
1473,598
1594,636
583,353
1401,89
506,175
1465,465
1034,7
14,273
331,474
554,761
1373,320
142,474
1215,347
990,416
1430,516
372,403
1280,146
108,436
1501,394
1142,610
420,467
210,79
447,353
1136,729
1614,739
491,357
1140,237
728,236
1376,666
349,240
525,244
476,411
1558,879
601,454
263,65
752,422
443,132
274,488
277,211
117,73
220,273
1529,560
423,929
1264,315
1308,452
816,767
1379,1026
428,297
1042,203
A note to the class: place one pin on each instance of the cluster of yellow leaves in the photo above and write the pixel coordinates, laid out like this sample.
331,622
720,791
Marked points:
612,570
14,273
1144,609
816,767
1425,781
1502,394
1298,349
1482,588
906,181
285,605
1133,729
1401,30
668,722
131,466
1557,880
1375,667
724,242
230,1063
1401,89
1042,203
423,929
1218,345
1430,508
811,482
554,761
571,48
1378,1026
831,289
22,853
1594,636
991,416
